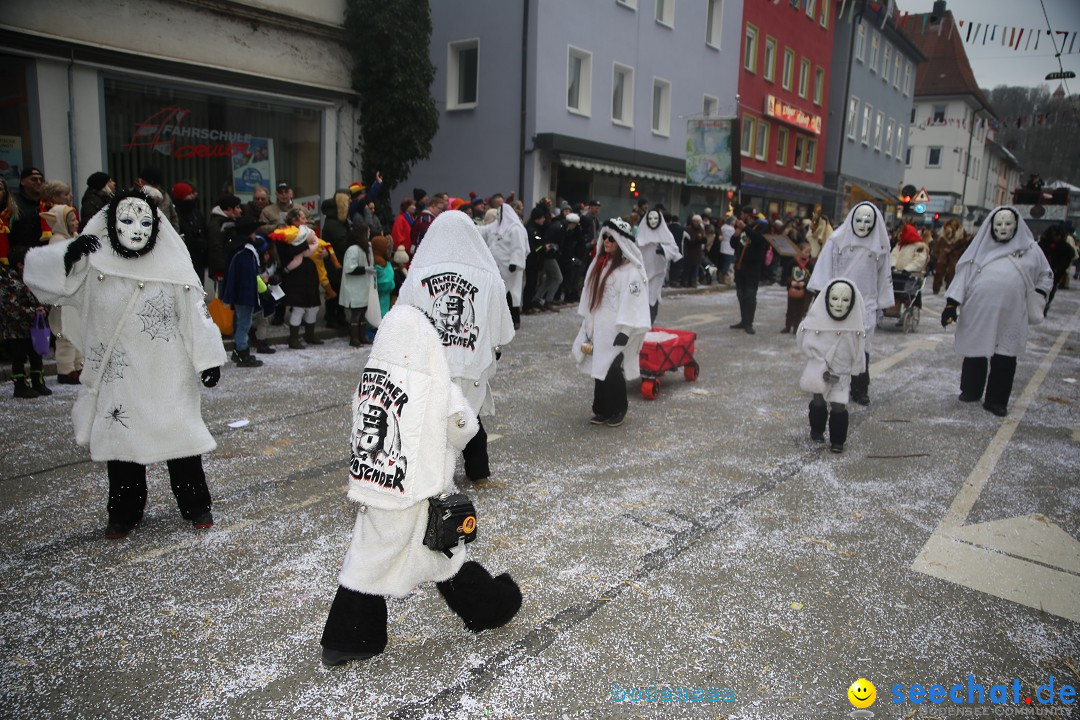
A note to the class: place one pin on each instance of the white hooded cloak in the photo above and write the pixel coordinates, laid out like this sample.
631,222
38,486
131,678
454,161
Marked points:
140,401
624,308
658,248
838,346
865,261
409,423
454,279
992,293
509,244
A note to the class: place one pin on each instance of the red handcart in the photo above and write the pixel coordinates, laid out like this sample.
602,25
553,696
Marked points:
666,349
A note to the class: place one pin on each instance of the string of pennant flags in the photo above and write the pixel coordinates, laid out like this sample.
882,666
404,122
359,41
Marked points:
1018,121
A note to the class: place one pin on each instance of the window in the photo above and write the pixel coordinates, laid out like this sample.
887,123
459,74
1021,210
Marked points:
900,144
860,43
937,115
811,155
819,84
810,9
714,23
462,74
622,95
579,81
781,146
875,41
750,51
768,62
824,14
711,107
665,12
661,107
852,117
907,157
867,113
933,157
804,77
907,79
896,71
886,60
631,4
789,68
761,141
889,128
878,123
912,116
747,136
800,151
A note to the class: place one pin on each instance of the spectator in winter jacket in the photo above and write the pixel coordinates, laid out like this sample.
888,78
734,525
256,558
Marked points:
99,191
219,234
401,233
192,227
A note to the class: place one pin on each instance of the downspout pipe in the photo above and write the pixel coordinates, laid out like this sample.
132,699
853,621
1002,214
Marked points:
524,98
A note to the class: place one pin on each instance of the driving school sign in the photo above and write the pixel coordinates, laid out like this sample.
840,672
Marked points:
165,132
777,108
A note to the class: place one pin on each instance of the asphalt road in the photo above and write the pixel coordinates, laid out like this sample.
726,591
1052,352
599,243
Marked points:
706,544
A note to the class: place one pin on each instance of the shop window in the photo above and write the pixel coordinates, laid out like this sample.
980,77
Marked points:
16,140
462,74
579,81
217,143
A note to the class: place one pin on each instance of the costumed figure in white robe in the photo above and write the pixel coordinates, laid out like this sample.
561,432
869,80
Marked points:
615,317
1001,271
833,339
409,421
658,249
148,339
859,251
455,281
508,241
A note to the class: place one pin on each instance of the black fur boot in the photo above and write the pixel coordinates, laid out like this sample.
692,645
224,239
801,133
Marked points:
838,425
355,628
482,601
309,335
294,338
819,415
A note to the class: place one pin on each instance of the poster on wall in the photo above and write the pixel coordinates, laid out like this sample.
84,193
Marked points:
254,166
11,159
708,152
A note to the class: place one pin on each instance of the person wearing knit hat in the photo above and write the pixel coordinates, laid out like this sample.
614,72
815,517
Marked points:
361,197
181,191
420,196
911,254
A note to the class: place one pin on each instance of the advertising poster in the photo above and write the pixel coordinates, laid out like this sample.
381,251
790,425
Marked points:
708,152
11,159
254,167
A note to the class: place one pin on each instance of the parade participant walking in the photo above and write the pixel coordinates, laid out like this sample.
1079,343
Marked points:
615,317
148,339
509,244
658,249
796,277
455,281
409,420
833,339
859,250
996,279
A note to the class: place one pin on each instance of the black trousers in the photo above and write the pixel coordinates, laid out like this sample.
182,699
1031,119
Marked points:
746,287
127,489
515,312
860,384
998,386
609,394
533,263
476,455
20,350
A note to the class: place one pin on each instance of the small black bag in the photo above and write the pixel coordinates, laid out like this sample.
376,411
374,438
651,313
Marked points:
451,518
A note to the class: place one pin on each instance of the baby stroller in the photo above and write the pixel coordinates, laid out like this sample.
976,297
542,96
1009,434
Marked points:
907,291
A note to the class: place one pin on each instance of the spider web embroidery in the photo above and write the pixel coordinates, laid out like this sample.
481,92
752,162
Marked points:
158,318
114,369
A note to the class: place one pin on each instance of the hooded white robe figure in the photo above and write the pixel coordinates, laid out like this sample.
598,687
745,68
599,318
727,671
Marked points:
615,317
509,244
658,249
993,278
148,338
455,281
859,251
409,421
833,339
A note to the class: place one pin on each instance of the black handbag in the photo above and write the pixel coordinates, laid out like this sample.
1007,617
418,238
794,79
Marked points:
451,518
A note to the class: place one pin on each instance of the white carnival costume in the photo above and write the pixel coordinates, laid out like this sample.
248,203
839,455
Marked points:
658,249
509,244
833,339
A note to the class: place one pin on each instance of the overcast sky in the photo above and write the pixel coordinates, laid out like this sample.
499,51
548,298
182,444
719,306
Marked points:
995,64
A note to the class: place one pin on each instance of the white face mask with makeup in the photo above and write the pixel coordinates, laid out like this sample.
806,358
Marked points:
862,221
839,299
1003,226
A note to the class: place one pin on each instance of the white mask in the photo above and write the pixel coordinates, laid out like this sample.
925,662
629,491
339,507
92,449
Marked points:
652,219
134,224
1003,226
862,221
840,299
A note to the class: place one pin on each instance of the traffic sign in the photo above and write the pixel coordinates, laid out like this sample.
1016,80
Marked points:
921,197
920,208
1065,75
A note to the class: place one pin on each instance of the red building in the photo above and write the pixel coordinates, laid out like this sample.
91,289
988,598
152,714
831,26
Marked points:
787,51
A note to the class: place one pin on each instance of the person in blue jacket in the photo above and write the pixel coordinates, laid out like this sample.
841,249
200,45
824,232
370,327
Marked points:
241,289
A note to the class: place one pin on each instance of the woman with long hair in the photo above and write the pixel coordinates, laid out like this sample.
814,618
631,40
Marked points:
615,317
9,213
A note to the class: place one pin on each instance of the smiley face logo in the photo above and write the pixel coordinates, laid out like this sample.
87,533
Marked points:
862,693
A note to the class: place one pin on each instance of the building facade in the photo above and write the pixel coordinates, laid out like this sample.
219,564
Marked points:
874,68
224,95
786,57
578,100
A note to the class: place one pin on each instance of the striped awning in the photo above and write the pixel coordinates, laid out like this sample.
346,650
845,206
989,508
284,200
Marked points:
611,168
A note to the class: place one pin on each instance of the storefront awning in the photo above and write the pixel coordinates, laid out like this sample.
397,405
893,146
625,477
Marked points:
612,168
757,183
862,190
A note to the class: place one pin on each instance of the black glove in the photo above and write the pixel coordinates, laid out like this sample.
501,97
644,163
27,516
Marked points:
360,270
78,248
948,315
621,339
498,354
513,268
210,376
